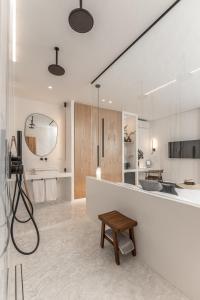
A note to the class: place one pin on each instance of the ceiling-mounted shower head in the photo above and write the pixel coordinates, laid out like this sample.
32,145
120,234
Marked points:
81,20
56,69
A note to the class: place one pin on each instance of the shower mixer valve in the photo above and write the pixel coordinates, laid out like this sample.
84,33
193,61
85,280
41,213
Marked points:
15,165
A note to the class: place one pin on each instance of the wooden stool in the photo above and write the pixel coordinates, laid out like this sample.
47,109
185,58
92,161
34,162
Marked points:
118,223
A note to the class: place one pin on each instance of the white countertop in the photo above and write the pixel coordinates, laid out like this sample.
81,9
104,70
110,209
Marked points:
141,170
47,175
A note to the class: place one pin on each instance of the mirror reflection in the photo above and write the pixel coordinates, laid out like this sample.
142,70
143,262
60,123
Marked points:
40,134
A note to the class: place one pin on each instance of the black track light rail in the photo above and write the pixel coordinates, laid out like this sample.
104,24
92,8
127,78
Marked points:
136,40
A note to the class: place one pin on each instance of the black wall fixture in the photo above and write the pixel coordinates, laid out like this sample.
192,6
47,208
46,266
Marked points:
136,40
81,20
56,69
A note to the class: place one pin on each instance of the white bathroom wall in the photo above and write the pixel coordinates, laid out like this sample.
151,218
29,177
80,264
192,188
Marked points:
25,107
4,63
183,126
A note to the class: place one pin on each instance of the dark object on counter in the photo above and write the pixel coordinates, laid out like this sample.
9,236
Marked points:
151,185
127,165
169,188
189,182
129,177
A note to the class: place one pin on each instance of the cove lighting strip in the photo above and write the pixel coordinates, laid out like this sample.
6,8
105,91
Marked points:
195,71
160,87
14,31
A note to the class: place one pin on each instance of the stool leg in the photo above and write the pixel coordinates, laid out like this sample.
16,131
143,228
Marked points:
116,248
102,234
131,234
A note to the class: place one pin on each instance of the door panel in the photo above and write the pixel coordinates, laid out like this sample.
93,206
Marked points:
111,163
86,141
83,148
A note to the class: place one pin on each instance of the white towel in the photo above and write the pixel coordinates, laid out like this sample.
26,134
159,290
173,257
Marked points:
38,191
51,189
124,242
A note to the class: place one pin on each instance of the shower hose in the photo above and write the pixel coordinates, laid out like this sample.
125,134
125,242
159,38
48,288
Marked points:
19,193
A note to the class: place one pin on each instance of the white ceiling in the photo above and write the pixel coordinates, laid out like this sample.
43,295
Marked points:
168,52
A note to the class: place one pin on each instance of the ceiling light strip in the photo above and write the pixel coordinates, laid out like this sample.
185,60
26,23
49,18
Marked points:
14,31
195,71
160,87
137,39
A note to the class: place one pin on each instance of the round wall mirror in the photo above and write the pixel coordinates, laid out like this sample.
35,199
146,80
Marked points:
40,134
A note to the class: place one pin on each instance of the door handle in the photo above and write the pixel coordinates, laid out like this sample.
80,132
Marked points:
103,136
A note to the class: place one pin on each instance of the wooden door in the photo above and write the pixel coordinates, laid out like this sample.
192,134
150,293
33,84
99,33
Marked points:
111,145
31,142
82,139
86,141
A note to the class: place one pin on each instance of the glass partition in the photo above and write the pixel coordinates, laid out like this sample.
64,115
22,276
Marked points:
158,80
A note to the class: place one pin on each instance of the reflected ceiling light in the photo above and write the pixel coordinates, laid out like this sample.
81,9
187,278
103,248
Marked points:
195,71
103,100
50,87
81,20
14,31
160,87
110,102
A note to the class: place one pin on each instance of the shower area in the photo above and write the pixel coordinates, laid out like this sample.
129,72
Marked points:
4,203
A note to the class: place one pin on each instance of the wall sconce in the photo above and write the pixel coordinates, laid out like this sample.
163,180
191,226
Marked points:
154,145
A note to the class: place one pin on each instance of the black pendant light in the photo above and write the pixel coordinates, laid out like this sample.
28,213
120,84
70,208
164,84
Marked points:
81,20
56,69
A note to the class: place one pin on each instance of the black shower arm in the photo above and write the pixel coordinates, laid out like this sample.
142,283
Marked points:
81,3
57,49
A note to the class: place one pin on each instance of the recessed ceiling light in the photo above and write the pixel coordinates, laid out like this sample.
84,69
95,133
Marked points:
160,87
14,31
195,71
110,102
50,87
103,100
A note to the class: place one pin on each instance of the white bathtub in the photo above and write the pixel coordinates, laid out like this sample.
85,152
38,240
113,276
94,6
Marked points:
186,196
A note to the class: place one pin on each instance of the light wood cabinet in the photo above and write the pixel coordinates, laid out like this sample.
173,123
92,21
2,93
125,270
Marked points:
83,148
86,141
111,151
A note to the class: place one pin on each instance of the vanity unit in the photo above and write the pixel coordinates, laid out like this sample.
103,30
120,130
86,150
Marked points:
48,150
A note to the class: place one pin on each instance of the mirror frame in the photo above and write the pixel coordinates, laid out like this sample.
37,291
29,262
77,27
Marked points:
45,155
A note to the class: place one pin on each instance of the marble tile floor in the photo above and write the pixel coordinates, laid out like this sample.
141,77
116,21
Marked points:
70,265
